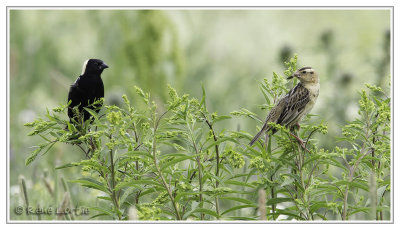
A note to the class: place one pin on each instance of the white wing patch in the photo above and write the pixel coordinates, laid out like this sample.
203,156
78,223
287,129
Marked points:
84,66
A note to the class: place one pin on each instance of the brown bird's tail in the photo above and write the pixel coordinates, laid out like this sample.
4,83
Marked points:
258,134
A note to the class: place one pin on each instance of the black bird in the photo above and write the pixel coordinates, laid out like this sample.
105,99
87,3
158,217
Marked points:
86,90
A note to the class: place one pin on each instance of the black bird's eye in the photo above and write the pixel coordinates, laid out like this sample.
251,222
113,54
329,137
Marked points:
303,71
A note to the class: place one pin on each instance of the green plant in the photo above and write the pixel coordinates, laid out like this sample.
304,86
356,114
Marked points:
175,163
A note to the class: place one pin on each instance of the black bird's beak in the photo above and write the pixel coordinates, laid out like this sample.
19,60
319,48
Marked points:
104,66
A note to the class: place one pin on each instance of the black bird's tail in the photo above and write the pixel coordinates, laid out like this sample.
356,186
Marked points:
264,128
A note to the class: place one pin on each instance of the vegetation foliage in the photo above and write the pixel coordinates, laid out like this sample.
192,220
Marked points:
132,158
174,162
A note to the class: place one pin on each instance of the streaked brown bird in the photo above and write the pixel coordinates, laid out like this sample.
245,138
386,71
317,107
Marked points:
292,108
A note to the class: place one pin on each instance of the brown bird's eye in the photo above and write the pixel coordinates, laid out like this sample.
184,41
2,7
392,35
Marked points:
311,72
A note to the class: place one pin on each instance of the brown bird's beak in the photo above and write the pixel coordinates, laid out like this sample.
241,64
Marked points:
294,75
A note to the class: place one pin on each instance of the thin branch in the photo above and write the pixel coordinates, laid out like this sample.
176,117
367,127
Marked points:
200,170
86,154
178,216
309,136
311,173
218,160
295,203
114,195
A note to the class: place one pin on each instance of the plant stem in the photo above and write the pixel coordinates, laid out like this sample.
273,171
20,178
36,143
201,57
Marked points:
178,216
295,203
217,159
198,167
353,169
272,197
200,175
200,184
164,182
114,196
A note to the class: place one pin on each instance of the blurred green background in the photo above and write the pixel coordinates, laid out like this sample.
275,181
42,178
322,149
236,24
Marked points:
229,51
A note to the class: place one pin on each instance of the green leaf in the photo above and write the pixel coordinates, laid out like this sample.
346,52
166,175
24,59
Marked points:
183,194
127,193
92,112
33,156
203,97
68,165
220,140
168,212
338,164
242,218
293,176
91,183
380,191
220,118
136,182
269,151
239,183
265,96
175,161
56,135
328,187
151,190
311,159
98,215
278,200
238,199
287,213
365,210
44,137
354,184
103,211
94,164
287,181
139,153
319,204
36,152
104,198
239,207
172,155
206,211
321,216
209,174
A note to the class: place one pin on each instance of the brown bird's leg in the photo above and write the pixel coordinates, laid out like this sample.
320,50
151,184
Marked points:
266,141
301,142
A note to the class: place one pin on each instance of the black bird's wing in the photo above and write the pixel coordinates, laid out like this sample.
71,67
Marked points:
99,93
92,88
77,97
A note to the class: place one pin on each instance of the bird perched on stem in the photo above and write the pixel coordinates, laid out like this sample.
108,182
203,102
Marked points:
87,89
291,109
